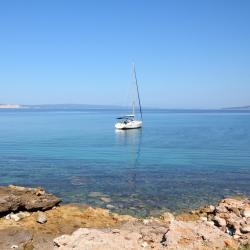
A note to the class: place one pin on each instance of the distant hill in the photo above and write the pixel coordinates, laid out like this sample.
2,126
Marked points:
238,108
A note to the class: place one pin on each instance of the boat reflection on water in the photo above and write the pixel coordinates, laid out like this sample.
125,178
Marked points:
131,141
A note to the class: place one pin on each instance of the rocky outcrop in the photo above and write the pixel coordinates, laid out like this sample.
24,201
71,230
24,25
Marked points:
231,216
147,234
85,238
194,235
132,236
226,226
15,198
29,223
47,225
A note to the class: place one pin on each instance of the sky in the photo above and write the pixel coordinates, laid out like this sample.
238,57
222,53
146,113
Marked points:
188,54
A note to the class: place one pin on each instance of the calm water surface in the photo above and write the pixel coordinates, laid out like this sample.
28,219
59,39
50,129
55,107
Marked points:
177,161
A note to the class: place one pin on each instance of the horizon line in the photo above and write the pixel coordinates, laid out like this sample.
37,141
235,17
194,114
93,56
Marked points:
117,106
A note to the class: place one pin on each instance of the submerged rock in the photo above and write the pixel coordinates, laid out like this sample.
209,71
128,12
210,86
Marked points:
15,198
105,199
110,206
95,194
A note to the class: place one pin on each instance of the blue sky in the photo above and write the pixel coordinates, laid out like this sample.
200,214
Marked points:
189,54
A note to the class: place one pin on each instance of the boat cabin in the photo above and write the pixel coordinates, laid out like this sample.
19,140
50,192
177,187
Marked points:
126,119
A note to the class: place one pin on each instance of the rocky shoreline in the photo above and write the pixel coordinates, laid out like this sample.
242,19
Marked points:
30,219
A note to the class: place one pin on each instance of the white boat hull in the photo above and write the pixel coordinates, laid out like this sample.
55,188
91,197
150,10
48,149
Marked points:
128,125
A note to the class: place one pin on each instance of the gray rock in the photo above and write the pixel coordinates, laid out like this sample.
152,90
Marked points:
41,218
14,246
14,198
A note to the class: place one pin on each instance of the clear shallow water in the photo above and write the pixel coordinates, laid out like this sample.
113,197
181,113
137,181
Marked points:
179,160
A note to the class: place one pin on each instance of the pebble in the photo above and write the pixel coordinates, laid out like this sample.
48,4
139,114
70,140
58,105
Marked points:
14,247
115,231
144,244
41,218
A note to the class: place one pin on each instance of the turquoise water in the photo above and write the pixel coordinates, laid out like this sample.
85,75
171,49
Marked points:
178,161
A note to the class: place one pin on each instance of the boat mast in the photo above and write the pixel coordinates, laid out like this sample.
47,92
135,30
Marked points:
137,88
133,107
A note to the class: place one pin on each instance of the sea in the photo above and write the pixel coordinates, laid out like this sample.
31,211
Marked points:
179,160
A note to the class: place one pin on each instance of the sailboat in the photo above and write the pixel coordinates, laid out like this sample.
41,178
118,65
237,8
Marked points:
130,121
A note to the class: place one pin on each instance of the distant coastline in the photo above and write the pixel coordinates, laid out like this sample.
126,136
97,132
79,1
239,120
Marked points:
238,108
114,107
10,106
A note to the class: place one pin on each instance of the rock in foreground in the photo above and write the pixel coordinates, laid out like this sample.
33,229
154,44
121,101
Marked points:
132,236
226,226
15,198
191,235
156,234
